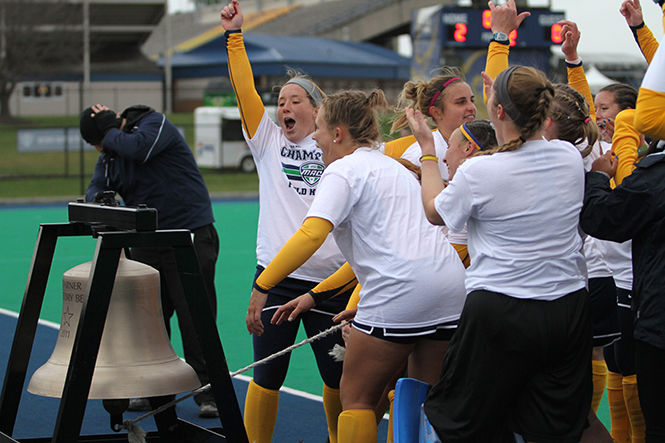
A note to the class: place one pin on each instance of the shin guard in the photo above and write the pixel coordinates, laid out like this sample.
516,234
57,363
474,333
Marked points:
357,426
620,429
632,399
260,413
599,370
332,406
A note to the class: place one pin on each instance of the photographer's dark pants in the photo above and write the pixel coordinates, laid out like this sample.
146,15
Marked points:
206,245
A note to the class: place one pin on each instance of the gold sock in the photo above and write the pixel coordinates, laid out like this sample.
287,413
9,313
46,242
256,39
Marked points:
599,370
620,429
357,426
332,405
260,413
391,398
632,399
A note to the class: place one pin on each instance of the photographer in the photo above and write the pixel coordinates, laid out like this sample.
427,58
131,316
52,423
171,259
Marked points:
145,159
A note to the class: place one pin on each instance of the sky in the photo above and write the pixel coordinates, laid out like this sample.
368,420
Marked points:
604,30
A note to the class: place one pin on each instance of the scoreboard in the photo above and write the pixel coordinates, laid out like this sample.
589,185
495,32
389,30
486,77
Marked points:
471,28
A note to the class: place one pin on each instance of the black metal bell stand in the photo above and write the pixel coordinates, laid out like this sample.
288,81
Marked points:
116,228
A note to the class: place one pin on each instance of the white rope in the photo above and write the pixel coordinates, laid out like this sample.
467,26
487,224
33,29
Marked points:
135,431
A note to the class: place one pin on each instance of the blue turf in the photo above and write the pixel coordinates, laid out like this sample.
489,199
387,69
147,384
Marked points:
299,419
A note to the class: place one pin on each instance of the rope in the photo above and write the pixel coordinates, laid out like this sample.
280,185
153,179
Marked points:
130,425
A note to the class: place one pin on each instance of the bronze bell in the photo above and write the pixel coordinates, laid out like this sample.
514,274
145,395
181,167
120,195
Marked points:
135,355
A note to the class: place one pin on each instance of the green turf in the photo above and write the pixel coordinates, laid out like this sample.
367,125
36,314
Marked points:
236,224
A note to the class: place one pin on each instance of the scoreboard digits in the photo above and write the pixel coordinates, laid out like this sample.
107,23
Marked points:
468,27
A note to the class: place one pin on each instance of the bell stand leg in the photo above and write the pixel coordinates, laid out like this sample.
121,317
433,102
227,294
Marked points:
26,326
202,318
206,329
86,344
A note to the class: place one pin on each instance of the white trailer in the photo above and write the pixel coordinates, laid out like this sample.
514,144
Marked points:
218,138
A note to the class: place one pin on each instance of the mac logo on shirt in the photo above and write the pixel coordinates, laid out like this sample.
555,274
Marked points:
311,172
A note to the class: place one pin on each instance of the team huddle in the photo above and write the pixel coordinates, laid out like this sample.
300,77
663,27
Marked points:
514,264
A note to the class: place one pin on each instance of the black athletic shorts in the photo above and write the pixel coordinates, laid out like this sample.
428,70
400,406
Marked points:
442,332
603,293
516,365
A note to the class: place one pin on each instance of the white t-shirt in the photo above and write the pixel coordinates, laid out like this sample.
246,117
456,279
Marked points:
289,175
596,264
410,275
522,212
607,258
413,154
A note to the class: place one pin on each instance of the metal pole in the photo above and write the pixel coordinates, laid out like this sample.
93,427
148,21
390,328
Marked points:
3,39
168,79
86,51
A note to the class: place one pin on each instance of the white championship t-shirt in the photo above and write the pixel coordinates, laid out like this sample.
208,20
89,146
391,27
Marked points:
410,275
522,212
289,175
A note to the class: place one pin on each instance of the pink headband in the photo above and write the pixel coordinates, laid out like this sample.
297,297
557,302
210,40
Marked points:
431,103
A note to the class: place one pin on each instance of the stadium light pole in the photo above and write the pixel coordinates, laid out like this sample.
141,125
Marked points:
85,85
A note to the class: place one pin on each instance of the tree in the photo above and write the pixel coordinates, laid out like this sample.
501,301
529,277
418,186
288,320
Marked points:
38,38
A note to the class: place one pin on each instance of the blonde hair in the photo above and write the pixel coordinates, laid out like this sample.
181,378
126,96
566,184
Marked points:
357,111
294,74
531,95
570,111
420,94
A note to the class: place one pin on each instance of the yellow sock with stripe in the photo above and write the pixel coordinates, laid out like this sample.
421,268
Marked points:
260,413
332,405
620,430
632,399
357,426
599,371
391,398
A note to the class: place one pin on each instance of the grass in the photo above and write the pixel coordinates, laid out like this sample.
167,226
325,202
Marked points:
57,174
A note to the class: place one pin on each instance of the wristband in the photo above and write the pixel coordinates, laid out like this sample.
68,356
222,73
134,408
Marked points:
428,157
574,63
260,289
318,297
232,31
501,42
640,26
659,2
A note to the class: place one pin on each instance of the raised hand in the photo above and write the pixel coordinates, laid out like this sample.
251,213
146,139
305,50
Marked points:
231,16
632,12
571,38
606,127
505,17
488,82
421,130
